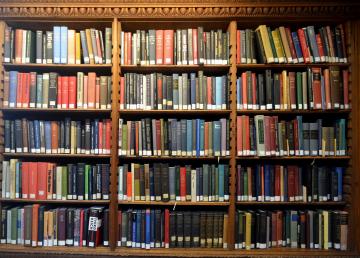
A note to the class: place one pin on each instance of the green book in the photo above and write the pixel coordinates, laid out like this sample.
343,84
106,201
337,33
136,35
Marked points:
86,181
64,182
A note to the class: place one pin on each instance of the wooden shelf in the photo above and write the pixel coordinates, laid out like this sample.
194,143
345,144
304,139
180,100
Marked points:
242,67
172,203
294,112
65,202
173,112
293,158
315,204
174,68
43,155
55,110
58,67
171,158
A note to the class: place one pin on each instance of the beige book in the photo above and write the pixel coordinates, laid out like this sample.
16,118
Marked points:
71,47
77,48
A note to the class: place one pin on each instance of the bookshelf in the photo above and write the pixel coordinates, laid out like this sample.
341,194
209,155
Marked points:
227,15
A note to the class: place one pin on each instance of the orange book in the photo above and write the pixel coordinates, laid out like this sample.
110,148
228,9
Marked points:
159,92
85,89
346,88
65,91
100,136
59,92
159,38
209,93
247,135
50,180
26,90
262,183
97,92
239,136
33,180
71,47
34,226
195,46
129,49
206,138
19,90
54,137
18,45
72,92
129,185
244,91
182,183
122,93
42,180
316,87
25,180
168,47
91,91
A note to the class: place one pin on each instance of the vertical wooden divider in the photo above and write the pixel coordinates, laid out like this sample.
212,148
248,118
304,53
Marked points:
114,134
232,208
2,32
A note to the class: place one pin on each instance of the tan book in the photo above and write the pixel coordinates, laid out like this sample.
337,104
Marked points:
344,219
79,90
77,48
266,43
71,47
73,138
285,44
103,92
225,231
89,46
247,230
278,45
6,89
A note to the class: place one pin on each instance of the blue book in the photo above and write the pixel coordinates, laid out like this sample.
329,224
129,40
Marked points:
37,135
57,44
202,137
310,30
267,182
47,125
339,172
64,44
138,228
238,93
39,90
300,135
176,91
13,82
197,137
96,136
17,179
134,218
151,186
221,182
297,46
148,228
193,90
152,228
188,137
216,137
218,90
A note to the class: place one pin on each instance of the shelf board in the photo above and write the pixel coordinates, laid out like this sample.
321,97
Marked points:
174,112
170,158
283,66
173,203
254,203
94,202
58,67
174,68
293,112
43,155
293,158
55,110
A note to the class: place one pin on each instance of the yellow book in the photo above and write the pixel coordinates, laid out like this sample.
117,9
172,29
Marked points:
71,47
266,43
279,51
89,45
326,229
225,231
248,230
13,179
285,44
77,49
46,221
284,90
50,228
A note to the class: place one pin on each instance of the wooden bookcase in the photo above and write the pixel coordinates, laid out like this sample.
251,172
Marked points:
228,15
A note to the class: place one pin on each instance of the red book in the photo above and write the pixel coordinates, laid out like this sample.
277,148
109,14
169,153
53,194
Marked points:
167,228
159,46
26,90
296,181
209,92
244,90
64,91
129,48
42,180
158,137
346,88
253,81
122,93
182,183
291,44
279,225
274,230
303,45
59,92
320,47
34,226
195,46
85,99
272,133
25,180
91,90
72,92
33,180
239,138
316,87
19,90
81,228
159,92
97,92
50,180
100,136
129,185
262,181
292,90
168,46
108,136
18,45
238,47
54,137
268,135
328,104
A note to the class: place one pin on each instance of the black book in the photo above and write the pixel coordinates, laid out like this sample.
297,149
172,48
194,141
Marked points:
69,181
142,229
98,181
157,228
157,181
209,230
165,182
70,227
203,226
105,174
269,91
78,137
259,48
39,47
67,141
187,229
7,138
7,45
130,222
195,229
80,181
179,229
87,136
41,225
18,135
172,229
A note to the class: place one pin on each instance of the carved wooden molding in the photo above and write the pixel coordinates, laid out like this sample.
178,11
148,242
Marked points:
187,8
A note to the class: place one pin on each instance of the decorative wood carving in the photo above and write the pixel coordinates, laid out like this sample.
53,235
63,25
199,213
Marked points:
187,8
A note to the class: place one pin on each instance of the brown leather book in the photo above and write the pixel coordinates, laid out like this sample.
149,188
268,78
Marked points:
35,220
